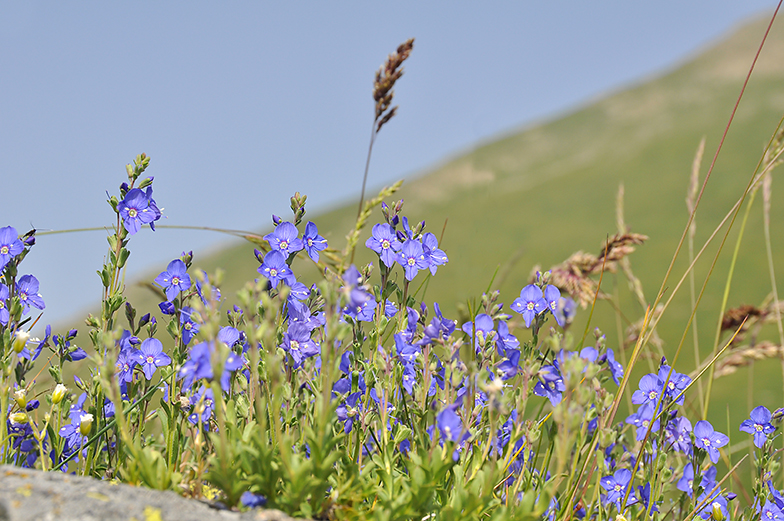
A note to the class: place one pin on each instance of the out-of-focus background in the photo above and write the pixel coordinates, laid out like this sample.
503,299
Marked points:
518,122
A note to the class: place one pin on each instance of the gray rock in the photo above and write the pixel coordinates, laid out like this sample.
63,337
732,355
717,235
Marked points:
53,496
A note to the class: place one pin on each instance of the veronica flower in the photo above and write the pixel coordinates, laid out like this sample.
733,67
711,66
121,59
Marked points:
10,245
137,209
433,255
298,344
481,329
188,325
530,303
551,384
451,426
552,296
616,487
348,410
284,239
314,243
174,280
151,356
275,269
412,258
709,440
649,391
27,291
678,434
759,425
675,385
4,314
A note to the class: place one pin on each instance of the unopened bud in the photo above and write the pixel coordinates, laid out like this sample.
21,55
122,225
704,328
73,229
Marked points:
20,340
59,393
18,418
85,423
716,512
20,397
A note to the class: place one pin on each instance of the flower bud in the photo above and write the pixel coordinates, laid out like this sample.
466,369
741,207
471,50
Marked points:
85,424
18,418
59,393
20,397
716,512
20,340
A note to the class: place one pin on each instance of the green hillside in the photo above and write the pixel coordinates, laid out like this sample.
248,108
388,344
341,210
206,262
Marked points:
539,194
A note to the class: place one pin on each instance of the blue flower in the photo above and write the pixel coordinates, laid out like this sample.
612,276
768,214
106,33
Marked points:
27,291
4,314
298,344
10,245
709,440
251,500
551,384
384,242
174,280
433,255
552,296
616,487
151,356
275,269
137,209
314,243
188,325
649,391
284,239
451,426
412,258
759,425
530,303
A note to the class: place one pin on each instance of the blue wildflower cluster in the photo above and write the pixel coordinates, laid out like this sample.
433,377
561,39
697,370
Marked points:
305,396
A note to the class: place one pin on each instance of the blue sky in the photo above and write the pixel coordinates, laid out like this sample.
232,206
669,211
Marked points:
241,104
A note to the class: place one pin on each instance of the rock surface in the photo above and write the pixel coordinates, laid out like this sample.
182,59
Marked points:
43,496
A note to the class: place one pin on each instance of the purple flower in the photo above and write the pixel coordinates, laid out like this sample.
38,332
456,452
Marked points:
709,440
530,303
298,344
275,269
126,361
27,291
188,326
251,500
151,356
174,280
566,310
384,242
616,486
412,258
771,512
433,255
4,314
616,369
137,209
678,434
552,296
348,411
642,419
481,329
450,425
203,402
314,243
649,391
284,239
676,383
551,384
10,245
759,425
